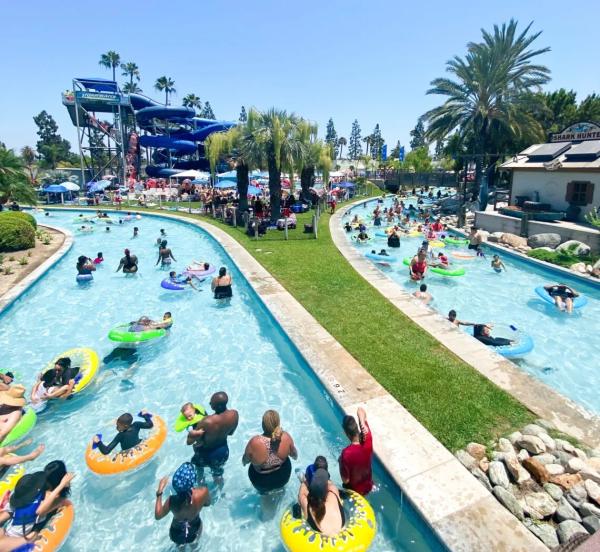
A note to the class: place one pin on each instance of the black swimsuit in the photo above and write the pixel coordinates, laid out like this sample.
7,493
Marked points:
223,292
185,531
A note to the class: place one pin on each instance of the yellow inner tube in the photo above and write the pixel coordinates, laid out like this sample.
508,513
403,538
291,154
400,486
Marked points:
356,535
10,478
86,359
130,459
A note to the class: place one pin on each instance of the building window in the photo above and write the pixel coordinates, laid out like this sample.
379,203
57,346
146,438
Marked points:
580,192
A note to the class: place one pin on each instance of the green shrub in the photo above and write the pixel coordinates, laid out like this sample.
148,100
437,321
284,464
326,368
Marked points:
20,215
561,258
23,261
15,234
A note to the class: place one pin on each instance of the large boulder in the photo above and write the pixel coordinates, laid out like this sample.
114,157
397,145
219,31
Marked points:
575,247
544,240
498,475
539,505
513,240
568,528
509,502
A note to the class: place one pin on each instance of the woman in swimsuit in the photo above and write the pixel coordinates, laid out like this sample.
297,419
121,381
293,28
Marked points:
221,285
84,265
269,456
129,263
185,505
165,255
418,266
563,296
321,504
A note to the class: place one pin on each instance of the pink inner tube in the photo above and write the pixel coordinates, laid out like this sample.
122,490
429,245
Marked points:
200,273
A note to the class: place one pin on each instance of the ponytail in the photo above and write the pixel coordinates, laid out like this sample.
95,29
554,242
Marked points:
276,434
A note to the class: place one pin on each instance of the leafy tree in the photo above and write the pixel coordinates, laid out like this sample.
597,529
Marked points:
28,158
367,140
589,109
166,85
14,183
354,145
331,138
110,60
377,142
439,150
207,112
51,146
418,139
131,88
418,160
341,143
489,98
315,154
191,100
243,115
132,71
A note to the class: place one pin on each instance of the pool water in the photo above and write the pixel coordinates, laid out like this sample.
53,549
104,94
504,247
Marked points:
237,348
565,354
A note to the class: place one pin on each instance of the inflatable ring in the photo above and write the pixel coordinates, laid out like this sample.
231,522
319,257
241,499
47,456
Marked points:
88,363
523,344
436,243
463,256
362,242
83,278
456,241
56,530
381,234
447,272
133,458
414,234
182,422
23,427
86,230
85,218
121,334
356,535
167,283
10,478
578,303
381,258
200,273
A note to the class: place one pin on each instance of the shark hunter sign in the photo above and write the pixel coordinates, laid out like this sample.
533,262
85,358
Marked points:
578,132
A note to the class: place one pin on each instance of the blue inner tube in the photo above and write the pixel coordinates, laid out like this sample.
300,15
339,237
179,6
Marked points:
578,303
523,343
167,283
381,258
84,278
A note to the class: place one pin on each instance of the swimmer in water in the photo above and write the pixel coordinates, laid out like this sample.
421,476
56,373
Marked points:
99,258
182,279
136,232
423,294
497,264
165,255
129,263
127,433
563,296
452,318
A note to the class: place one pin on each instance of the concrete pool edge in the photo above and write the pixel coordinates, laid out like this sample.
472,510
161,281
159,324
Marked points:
8,299
463,515
566,415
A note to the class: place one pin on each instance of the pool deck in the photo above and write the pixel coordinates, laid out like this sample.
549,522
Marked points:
463,514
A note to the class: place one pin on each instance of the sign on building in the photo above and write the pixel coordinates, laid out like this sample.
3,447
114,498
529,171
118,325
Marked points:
578,132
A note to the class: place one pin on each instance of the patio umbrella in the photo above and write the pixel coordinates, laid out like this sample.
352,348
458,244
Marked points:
229,175
70,186
225,184
200,180
56,189
253,190
98,186
191,174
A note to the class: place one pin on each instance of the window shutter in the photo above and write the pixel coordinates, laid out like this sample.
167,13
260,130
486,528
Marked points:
570,192
589,193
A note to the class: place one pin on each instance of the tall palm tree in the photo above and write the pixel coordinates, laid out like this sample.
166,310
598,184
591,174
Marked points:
367,141
166,85
489,97
110,60
132,71
13,180
273,141
28,158
342,142
131,88
191,100
316,155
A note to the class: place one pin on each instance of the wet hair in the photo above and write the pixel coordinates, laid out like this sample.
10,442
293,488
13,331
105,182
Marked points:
127,253
321,462
452,314
99,254
168,313
172,274
222,271
162,230
55,471
271,425
64,362
317,505
136,229
125,420
81,260
423,287
206,266
350,426
47,379
163,244
218,402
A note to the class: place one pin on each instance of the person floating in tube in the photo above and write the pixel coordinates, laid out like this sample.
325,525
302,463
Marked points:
563,296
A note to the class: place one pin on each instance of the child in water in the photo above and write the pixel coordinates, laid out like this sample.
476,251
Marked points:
128,433
99,258
136,232
497,264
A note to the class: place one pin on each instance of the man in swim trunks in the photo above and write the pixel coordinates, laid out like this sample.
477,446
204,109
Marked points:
209,438
497,264
423,294
475,238
356,459
563,296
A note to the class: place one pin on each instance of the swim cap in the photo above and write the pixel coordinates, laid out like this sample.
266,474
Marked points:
184,478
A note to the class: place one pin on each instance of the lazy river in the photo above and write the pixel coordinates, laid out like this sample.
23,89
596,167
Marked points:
565,354
238,348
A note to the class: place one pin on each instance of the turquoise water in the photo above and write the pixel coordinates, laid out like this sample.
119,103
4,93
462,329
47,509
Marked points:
236,348
565,355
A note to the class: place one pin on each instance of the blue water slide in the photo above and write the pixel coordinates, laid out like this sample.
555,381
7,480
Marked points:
144,116
177,146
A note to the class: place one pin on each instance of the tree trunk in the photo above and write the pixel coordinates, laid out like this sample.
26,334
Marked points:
242,187
341,150
274,189
307,179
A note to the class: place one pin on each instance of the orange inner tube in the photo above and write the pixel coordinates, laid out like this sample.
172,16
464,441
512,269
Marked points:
130,459
56,531
464,256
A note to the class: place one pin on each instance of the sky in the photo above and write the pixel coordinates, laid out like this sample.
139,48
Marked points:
372,61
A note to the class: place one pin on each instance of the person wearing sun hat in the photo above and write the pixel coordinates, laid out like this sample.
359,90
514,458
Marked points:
12,402
185,504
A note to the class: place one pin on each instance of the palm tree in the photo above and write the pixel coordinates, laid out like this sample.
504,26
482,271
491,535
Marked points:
342,142
110,60
131,70
191,100
273,141
166,84
14,183
28,157
367,141
131,88
316,155
489,97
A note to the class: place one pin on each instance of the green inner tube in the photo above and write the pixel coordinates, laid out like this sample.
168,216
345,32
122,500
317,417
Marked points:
456,241
447,272
23,427
121,334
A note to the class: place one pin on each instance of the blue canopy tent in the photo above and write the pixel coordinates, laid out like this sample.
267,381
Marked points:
225,184
254,190
229,175
55,189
